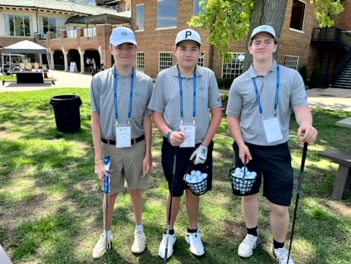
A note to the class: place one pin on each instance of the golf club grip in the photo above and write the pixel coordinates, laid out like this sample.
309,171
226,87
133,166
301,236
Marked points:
304,154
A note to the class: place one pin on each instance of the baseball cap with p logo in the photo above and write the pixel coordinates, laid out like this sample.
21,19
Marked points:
188,34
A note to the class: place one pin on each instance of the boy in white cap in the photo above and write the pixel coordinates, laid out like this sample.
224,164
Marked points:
259,109
121,127
187,109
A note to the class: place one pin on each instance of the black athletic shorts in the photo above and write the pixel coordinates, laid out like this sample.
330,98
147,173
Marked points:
274,164
183,165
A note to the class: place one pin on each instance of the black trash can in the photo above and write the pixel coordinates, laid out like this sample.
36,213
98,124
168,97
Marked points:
67,114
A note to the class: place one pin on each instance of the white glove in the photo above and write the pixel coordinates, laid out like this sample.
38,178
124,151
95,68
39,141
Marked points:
200,155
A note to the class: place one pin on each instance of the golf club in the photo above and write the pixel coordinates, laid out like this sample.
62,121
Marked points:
107,180
299,190
165,258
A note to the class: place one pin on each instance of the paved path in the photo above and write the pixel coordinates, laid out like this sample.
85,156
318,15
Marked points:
330,98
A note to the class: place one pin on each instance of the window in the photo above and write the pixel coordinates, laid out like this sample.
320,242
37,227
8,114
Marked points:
167,12
53,24
234,68
297,15
19,25
197,7
291,61
140,61
140,17
165,60
201,60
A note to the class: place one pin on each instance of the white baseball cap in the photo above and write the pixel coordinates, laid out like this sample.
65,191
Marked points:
122,35
263,28
188,34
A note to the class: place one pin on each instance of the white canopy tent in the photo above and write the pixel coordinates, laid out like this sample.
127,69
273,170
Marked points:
25,47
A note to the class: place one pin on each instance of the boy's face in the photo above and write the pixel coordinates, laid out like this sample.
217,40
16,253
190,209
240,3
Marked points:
124,54
187,53
263,46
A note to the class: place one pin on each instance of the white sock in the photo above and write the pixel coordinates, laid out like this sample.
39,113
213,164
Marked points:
139,228
108,233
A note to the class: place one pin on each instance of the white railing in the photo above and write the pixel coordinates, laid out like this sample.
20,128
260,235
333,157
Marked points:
89,32
72,33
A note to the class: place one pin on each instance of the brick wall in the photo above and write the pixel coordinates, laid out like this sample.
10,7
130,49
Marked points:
343,20
152,40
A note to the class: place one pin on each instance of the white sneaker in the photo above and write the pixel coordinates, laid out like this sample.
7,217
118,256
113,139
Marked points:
101,247
196,246
139,243
281,255
162,248
247,246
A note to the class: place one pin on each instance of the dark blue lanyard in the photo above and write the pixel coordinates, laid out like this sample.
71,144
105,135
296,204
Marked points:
276,95
130,94
181,96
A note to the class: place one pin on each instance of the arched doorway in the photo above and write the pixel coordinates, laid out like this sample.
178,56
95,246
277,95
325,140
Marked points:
59,61
73,56
92,54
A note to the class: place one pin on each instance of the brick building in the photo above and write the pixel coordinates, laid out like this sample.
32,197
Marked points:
156,24
73,30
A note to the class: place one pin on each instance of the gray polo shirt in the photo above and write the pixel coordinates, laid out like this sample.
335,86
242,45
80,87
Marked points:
166,98
243,101
102,101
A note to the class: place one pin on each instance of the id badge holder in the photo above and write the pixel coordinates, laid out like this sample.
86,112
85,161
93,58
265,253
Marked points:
189,130
272,129
123,136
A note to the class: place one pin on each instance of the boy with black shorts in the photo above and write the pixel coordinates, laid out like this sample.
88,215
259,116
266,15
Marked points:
259,109
180,102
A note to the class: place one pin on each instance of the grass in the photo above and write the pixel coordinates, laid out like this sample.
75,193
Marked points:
50,199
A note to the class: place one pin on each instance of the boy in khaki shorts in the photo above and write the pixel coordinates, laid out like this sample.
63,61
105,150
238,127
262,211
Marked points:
121,127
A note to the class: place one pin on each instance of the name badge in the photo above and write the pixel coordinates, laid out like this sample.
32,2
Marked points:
123,136
189,130
272,129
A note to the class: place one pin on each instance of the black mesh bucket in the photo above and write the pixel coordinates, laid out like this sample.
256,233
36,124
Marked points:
197,183
241,185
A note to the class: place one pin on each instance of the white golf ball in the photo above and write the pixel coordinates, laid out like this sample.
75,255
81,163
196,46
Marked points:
198,173
204,175
192,172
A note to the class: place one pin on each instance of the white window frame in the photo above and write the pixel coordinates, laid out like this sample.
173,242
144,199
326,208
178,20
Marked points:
140,61
228,71
138,29
304,18
291,61
165,60
158,26
201,60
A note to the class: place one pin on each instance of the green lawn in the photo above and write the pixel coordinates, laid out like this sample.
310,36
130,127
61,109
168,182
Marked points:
50,200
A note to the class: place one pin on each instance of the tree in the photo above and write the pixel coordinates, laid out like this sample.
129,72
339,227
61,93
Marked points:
232,20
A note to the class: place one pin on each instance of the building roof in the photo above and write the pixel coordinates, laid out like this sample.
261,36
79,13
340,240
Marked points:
61,6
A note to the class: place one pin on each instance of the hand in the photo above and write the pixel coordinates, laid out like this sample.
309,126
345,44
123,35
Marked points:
200,155
101,172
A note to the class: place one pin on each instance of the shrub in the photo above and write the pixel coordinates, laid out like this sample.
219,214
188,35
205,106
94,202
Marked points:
224,83
314,80
303,72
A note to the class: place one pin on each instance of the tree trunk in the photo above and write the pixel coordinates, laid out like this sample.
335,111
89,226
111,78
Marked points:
269,12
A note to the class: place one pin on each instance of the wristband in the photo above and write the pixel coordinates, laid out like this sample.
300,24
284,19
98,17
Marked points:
169,136
99,161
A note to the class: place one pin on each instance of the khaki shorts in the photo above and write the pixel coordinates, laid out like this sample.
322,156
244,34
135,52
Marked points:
126,165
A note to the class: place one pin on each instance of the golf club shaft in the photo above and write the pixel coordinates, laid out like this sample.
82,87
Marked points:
107,163
299,189
170,204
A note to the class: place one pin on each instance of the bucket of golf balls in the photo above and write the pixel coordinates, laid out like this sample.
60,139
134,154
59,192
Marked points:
242,180
196,181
